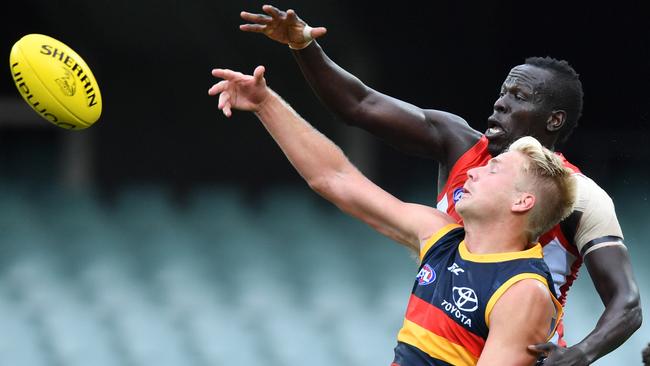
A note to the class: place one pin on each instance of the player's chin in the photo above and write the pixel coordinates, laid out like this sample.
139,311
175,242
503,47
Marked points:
498,144
462,206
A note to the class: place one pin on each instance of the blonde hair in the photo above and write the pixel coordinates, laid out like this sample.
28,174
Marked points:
550,181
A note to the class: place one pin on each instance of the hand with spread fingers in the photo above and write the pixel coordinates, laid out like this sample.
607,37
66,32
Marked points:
240,91
284,27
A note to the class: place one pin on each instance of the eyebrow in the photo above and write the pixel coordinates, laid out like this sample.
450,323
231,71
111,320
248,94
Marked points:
495,161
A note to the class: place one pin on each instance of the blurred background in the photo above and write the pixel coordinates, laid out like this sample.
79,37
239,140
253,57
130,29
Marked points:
167,234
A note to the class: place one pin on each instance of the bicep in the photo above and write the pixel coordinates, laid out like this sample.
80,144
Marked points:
407,223
521,317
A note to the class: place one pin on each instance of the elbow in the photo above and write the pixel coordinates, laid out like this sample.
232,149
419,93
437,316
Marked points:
330,187
357,111
352,116
636,316
321,184
633,313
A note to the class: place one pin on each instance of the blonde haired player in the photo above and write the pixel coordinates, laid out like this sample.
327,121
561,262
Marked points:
485,276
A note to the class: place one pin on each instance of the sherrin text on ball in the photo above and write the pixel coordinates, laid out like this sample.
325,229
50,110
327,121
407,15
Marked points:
55,81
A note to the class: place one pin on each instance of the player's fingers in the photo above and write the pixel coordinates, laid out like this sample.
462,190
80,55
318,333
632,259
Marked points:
542,347
226,106
292,16
226,110
255,18
218,87
272,11
226,74
318,32
220,73
224,99
255,28
259,74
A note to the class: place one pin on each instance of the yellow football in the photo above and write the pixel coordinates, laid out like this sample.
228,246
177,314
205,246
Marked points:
55,81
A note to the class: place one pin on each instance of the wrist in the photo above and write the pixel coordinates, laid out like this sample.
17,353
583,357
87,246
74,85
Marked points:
266,103
586,357
307,39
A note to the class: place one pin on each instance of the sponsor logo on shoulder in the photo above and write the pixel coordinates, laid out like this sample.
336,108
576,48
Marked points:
455,269
426,275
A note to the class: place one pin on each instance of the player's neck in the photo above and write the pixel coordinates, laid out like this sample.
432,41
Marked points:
494,237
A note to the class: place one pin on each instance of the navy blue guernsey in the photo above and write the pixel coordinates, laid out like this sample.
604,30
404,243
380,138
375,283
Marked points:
447,318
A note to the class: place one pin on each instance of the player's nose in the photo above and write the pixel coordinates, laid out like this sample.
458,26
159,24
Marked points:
500,104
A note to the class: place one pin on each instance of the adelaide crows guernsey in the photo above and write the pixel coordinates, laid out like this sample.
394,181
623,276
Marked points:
591,226
447,318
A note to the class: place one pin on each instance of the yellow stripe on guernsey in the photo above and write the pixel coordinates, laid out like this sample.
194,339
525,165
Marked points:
522,276
434,345
435,237
534,252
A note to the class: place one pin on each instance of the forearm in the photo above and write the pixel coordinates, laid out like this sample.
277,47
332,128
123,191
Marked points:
408,128
312,154
622,317
339,90
611,271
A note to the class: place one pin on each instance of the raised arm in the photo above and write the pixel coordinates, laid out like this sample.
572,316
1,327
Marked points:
323,165
435,134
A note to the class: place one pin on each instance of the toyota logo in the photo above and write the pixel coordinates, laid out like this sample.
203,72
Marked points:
465,298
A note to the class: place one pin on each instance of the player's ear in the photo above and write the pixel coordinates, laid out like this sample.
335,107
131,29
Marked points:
523,202
556,120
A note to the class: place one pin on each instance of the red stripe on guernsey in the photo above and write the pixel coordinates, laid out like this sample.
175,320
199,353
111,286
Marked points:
477,155
564,289
471,158
436,321
567,164
560,331
556,232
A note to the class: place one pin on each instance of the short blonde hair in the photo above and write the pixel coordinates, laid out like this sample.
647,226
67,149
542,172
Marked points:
550,181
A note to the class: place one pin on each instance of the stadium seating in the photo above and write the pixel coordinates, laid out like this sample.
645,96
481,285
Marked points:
275,279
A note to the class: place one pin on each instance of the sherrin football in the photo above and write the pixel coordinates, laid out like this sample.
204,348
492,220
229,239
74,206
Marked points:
55,81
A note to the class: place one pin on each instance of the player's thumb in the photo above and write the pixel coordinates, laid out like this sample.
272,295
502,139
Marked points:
542,347
258,74
318,32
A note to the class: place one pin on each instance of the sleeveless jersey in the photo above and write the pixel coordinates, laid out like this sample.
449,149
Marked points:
560,252
447,318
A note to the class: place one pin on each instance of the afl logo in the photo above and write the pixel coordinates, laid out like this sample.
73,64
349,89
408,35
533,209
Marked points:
426,275
458,194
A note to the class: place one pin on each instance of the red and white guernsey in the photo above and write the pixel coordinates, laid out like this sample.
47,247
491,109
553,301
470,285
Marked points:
592,225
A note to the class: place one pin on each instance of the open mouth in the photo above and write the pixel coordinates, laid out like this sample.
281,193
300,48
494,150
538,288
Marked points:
494,129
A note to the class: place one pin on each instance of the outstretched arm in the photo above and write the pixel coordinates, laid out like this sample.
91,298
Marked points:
435,134
323,165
